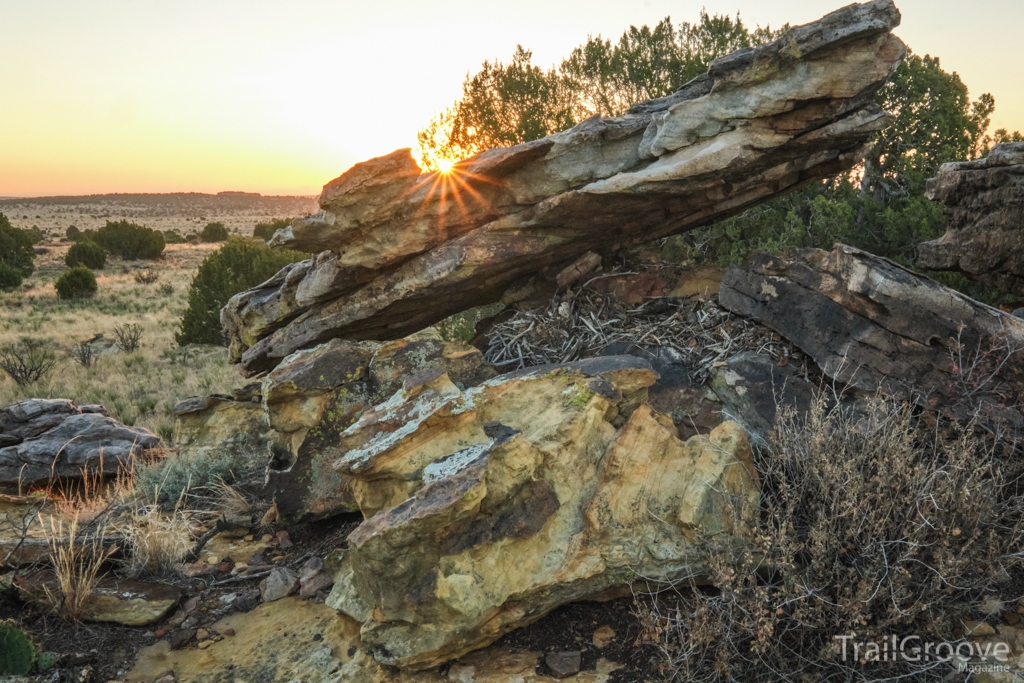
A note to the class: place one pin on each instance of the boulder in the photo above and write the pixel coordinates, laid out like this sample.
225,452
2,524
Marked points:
119,601
50,440
488,507
875,325
219,424
983,201
400,250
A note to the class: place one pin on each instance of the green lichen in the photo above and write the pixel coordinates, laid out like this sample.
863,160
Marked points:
577,396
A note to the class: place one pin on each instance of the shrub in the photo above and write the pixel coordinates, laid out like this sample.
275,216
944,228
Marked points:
73,233
265,231
77,562
214,232
238,265
27,361
10,277
173,237
128,336
179,478
84,354
128,240
146,277
16,248
76,283
877,523
86,253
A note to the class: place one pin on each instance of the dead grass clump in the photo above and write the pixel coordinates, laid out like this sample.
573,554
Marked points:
871,525
146,277
77,563
156,541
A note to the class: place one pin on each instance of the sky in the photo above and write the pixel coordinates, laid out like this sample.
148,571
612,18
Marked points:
281,97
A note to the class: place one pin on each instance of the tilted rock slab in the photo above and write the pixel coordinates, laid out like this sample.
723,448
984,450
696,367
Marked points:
489,507
875,325
984,206
400,250
50,440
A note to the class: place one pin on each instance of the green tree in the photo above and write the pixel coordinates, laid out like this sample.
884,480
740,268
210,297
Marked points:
242,263
214,232
127,240
16,250
76,283
86,253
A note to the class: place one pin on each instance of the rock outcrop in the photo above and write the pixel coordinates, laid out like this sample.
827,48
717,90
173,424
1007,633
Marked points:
50,440
487,508
875,325
401,250
984,205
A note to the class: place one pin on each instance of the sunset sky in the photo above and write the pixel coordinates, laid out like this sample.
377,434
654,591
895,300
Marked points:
281,97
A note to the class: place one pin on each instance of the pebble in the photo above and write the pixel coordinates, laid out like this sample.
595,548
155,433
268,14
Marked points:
248,537
564,664
159,633
212,560
978,628
229,631
266,538
284,540
203,634
203,644
603,637
1011,618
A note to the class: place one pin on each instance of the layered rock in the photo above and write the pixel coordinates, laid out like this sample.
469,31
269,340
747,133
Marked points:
489,507
402,250
984,205
875,325
48,440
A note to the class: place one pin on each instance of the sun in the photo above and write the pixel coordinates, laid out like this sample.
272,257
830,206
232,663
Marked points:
445,165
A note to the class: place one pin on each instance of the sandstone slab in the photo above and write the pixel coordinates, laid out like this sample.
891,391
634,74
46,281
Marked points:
489,507
403,250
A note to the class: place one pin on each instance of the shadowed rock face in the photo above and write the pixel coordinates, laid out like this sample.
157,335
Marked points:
487,508
401,250
984,206
873,324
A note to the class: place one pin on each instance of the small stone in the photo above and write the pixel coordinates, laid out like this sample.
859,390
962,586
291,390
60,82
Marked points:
178,639
212,560
311,568
159,633
315,584
248,537
203,634
280,583
224,567
266,538
978,628
564,664
284,540
228,598
229,631
203,644
176,619
603,637
1011,618
165,677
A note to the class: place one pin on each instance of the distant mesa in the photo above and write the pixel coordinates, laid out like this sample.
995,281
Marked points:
238,194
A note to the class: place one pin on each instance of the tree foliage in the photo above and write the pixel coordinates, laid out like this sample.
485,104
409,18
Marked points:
16,254
76,283
214,232
127,240
240,264
86,253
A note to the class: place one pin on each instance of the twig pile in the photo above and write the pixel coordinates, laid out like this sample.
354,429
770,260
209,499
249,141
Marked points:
581,324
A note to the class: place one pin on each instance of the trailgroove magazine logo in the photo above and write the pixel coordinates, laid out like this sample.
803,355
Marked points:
964,654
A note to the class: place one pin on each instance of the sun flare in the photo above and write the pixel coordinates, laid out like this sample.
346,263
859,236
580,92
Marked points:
445,165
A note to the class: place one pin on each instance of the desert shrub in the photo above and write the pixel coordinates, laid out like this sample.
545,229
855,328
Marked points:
146,277
10,277
86,253
173,237
873,523
73,233
167,289
128,336
84,354
76,283
238,265
181,478
28,360
128,240
16,248
214,232
265,231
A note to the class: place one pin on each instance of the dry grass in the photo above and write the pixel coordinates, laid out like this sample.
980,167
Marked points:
581,324
156,541
77,562
140,388
873,524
